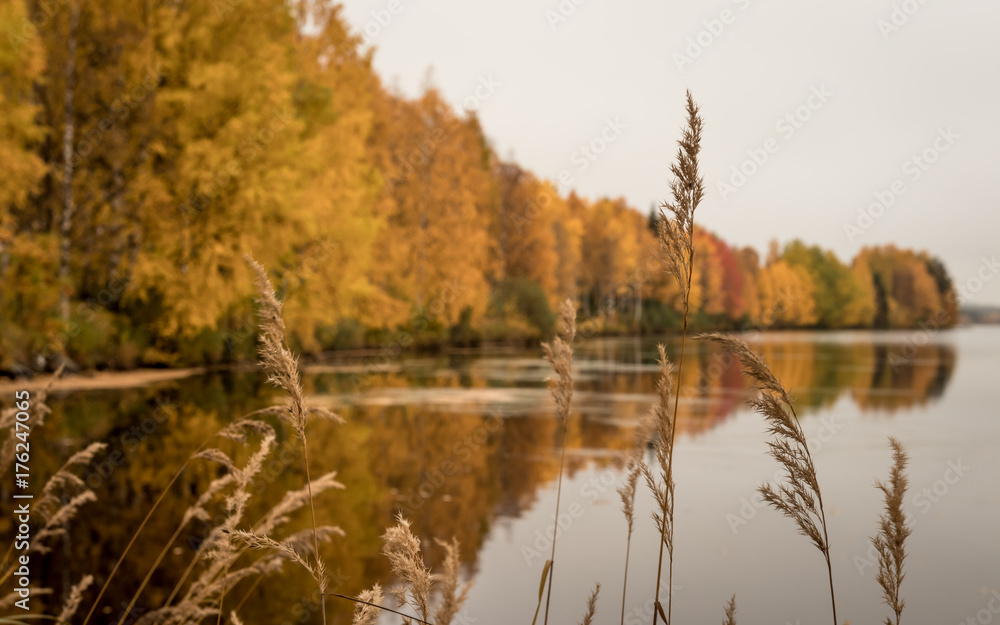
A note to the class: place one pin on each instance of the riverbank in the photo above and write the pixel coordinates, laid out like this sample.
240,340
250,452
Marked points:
358,360
98,380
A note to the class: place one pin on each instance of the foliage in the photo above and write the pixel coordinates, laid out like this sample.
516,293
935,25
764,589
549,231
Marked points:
209,131
525,299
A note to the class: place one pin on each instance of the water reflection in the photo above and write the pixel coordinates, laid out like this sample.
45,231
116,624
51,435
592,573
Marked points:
616,377
458,443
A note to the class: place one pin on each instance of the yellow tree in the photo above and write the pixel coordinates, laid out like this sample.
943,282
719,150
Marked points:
226,145
22,61
113,147
96,101
28,291
660,285
859,309
325,269
525,228
567,226
708,275
787,295
749,267
433,251
609,252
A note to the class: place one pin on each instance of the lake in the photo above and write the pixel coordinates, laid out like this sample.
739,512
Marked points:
467,445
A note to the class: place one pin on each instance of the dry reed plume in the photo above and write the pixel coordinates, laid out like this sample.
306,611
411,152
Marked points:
730,612
560,354
205,594
65,493
283,372
799,498
452,597
588,617
676,237
626,491
365,611
402,549
662,426
890,541
74,599
226,543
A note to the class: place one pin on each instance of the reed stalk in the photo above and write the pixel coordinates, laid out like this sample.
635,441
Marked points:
676,236
800,497
560,354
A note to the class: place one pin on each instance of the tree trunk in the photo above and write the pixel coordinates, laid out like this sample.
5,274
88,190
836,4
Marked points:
637,321
66,223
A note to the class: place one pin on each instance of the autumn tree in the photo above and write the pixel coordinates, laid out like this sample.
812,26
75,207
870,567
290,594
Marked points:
841,301
525,228
787,296
748,264
433,248
26,274
907,293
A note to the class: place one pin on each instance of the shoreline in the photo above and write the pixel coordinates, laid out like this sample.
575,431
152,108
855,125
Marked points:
145,376
99,380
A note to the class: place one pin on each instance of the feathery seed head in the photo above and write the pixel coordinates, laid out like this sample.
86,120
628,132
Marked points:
560,355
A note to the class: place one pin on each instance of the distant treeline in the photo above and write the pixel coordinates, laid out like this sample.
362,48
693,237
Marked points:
148,146
980,314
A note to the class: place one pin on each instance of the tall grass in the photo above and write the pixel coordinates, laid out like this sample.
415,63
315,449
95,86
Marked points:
283,372
662,426
800,498
890,541
560,355
627,494
676,235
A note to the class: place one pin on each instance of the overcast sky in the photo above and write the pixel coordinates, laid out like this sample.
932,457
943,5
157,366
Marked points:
849,102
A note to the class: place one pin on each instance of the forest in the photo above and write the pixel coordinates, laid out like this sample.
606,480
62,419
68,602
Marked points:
149,146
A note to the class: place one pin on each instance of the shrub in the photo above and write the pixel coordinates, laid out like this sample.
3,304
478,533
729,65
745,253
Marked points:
526,299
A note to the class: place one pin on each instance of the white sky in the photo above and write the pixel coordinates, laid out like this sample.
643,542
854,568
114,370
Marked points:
891,94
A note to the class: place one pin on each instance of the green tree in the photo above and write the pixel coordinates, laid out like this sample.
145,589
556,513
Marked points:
840,298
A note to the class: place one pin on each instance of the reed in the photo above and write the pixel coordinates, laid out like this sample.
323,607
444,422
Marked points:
890,541
676,237
402,548
730,612
452,597
365,612
800,497
226,543
560,355
626,492
283,372
662,427
588,616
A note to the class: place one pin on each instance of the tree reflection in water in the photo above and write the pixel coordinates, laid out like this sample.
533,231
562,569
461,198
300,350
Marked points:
455,442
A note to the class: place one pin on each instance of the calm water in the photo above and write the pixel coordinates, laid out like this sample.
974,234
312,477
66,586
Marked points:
467,446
